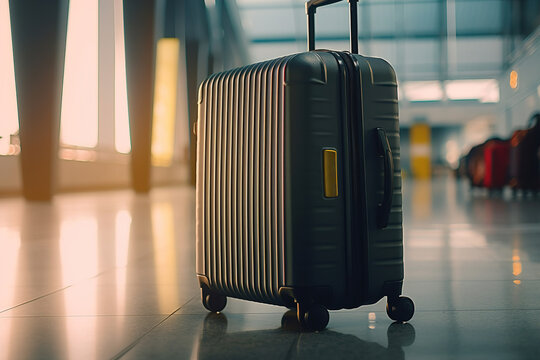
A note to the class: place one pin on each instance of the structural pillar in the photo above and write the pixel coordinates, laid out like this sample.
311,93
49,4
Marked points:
192,61
39,41
139,32
421,151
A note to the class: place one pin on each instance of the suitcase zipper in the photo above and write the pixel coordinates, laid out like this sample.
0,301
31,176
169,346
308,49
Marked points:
357,258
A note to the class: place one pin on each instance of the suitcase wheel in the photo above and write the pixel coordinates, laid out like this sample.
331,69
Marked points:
213,302
400,309
313,317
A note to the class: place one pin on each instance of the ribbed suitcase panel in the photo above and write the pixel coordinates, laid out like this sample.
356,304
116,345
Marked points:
241,172
385,253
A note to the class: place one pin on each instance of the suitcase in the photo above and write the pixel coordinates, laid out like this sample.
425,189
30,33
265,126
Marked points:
299,183
525,157
476,166
496,160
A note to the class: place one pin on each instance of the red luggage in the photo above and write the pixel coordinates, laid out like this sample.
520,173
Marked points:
496,160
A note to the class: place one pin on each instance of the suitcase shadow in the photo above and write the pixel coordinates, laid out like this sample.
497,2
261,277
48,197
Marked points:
292,342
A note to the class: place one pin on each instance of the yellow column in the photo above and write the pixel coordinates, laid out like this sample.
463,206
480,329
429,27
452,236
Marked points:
421,151
165,94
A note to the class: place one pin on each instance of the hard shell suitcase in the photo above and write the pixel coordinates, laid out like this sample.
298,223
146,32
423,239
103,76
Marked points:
496,159
525,157
299,183
476,168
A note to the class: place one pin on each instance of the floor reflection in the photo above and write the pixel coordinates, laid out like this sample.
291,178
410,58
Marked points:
165,255
78,248
79,256
10,244
291,341
421,198
95,275
122,233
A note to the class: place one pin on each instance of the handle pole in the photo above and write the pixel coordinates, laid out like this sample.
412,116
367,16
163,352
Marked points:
311,29
311,7
353,20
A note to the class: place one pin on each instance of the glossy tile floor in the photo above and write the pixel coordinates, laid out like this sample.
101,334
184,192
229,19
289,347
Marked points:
111,275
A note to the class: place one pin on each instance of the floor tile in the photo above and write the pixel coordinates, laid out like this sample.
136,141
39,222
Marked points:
83,337
112,275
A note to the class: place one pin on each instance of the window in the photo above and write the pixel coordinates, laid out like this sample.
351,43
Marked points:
79,121
9,121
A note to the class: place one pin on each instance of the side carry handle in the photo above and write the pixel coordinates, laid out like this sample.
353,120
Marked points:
311,8
386,205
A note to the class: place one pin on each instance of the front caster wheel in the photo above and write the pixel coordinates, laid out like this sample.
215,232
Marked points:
213,302
400,309
315,317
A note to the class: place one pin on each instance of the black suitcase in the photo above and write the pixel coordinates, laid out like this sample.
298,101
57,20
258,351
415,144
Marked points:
525,157
299,183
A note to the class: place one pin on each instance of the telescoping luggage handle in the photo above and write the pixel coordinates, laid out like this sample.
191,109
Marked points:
311,7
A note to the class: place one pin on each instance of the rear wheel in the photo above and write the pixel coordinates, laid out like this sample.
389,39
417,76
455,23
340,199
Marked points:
400,309
314,317
213,302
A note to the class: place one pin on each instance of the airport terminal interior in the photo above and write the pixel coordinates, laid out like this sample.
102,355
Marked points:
99,123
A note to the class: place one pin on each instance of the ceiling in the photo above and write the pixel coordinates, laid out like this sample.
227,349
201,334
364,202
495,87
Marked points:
423,39
430,43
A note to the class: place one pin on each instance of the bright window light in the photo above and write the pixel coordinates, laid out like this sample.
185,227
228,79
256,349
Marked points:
9,122
79,124
484,90
423,90
122,138
165,101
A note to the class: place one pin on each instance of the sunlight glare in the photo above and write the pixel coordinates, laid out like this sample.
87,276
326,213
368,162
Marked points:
79,122
9,124
78,246
122,138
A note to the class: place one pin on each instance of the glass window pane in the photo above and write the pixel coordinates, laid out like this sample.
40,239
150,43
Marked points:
269,23
419,19
478,57
79,122
382,19
9,122
473,17
421,57
122,138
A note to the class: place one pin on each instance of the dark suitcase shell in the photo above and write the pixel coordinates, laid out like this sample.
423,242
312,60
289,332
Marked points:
525,157
276,223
